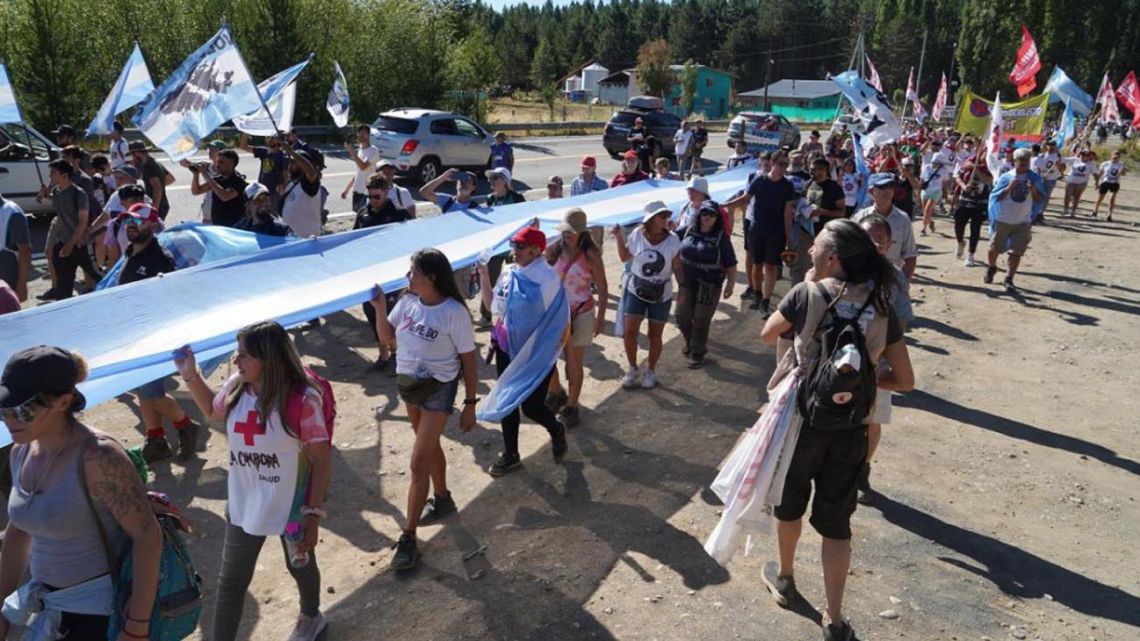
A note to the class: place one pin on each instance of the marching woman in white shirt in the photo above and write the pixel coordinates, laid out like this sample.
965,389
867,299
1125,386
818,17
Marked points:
1080,167
279,469
432,328
1108,177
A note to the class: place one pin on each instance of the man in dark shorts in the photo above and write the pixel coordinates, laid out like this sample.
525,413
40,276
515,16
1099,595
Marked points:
773,198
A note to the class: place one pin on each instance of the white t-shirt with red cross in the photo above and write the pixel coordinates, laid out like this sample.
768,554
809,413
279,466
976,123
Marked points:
269,474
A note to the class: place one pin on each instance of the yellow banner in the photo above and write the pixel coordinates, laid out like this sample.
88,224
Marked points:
1023,120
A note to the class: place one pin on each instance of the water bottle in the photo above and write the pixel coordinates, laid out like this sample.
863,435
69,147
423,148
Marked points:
293,536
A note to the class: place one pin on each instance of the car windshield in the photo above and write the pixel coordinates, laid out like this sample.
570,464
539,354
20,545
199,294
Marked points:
13,133
397,125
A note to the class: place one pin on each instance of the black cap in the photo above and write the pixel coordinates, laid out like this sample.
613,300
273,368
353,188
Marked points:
37,370
64,129
117,126
136,145
131,191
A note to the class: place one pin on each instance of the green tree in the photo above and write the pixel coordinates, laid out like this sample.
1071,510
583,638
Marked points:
549,94
688,82
653,73
544,69
474,66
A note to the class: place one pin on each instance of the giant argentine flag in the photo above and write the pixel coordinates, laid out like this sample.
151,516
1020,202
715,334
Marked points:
879,122
1061,88
132,87
9,110
280,94
210,87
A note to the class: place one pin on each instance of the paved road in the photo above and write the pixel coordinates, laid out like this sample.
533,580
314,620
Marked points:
536,159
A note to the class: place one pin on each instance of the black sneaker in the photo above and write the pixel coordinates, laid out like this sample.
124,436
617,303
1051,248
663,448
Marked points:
558,443
50,294
865,495
1009,286
187,442
504,464
379,365
406,554
569,416
438,507
696,362
484,321
748,294
765,308
989,277
156,449
783,588
755,304
841,632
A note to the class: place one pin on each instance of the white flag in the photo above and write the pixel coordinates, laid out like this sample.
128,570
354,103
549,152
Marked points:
874,79
939,101
338,101
994,136
1106,98
280,94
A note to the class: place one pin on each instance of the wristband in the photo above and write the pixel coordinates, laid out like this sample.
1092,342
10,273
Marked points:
131,618
313,511
470,401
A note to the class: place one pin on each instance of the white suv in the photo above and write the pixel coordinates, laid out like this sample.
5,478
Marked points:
19,178
423,142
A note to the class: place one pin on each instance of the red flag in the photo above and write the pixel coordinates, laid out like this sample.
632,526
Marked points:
939,101
1028,64
1129,93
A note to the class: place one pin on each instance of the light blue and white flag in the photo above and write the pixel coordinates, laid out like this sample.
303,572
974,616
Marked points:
879,122
210,87
280,94
9,110
338,101
1068,126
863,170
1061,88
132,87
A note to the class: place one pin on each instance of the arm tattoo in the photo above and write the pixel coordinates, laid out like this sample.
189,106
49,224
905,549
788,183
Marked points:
116,484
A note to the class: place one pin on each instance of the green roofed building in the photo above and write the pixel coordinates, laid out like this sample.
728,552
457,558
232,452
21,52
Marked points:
798,100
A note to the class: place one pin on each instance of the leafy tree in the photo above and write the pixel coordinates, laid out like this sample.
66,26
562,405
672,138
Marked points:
653,73
474,65
549,95
544,69
688,81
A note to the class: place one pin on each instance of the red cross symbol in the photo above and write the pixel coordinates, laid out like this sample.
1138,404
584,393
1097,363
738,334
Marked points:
250,426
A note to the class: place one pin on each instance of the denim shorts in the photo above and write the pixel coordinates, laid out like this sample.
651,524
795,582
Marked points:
633,306
152,390
444,399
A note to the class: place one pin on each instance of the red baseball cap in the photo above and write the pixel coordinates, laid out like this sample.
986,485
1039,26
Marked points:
143,211
631,155
530,236
589,161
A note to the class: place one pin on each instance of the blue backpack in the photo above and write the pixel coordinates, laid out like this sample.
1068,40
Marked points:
179,599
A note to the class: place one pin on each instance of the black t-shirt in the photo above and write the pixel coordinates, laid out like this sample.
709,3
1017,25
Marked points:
510,198
769,199
634,144
272,168
153,260
387,214
151,169
273,226
826,195
226,213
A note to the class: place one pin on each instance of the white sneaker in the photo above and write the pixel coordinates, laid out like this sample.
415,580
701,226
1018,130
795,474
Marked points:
631,377
961,249
308,628
971,261
649,381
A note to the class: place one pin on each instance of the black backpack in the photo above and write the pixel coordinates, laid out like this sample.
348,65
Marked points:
829,399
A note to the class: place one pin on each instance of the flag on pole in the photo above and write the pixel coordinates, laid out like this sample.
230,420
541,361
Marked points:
1024,73
939,101
994,135
210,87
1061,88
1068,126
874,79
1129,94
912,96
863,170
132,87
1106,98
280,94
9,110
879,122
338,101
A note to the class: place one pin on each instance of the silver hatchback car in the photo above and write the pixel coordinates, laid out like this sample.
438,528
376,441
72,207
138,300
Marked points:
423,142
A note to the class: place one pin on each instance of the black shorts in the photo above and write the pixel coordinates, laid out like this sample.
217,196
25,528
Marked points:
1107,187
747,233
766,245
832,460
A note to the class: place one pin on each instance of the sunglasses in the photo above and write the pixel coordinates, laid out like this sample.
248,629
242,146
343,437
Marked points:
23,412
134,220
375,196
708,214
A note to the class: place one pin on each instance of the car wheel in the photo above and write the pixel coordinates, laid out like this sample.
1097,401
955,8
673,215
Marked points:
428,170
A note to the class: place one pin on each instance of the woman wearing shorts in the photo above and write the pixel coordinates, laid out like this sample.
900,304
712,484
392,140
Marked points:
272,410
933,174
1079,167
432,329
708,272
856,279
1108,177
655,253
579,264
72,486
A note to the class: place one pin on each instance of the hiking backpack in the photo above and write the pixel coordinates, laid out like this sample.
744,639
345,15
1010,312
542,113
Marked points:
833,396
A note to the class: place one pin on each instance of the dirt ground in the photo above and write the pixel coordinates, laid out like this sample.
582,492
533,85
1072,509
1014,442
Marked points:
1008,481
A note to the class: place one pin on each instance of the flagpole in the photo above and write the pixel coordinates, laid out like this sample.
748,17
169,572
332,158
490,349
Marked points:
261,98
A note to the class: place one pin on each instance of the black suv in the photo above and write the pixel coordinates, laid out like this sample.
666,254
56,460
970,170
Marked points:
659,124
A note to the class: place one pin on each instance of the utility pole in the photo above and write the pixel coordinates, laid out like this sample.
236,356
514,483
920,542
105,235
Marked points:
921,59
768,76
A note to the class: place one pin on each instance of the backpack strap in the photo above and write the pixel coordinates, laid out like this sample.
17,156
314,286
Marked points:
113,560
